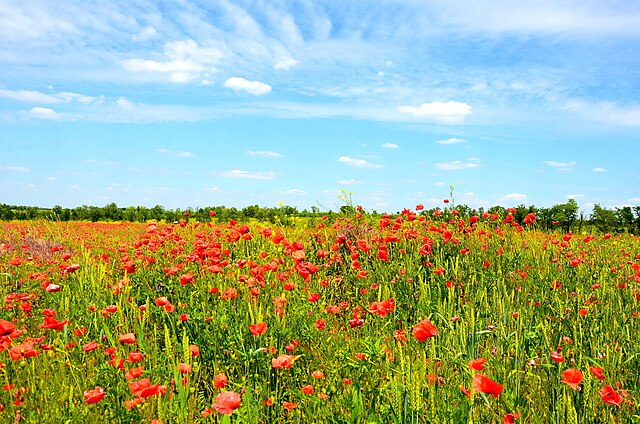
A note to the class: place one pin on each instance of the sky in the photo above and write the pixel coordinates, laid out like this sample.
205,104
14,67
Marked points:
188,103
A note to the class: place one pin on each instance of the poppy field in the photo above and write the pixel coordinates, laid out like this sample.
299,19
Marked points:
346,318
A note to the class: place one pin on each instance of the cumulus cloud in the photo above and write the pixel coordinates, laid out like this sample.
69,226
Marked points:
561,166
256,88
258,175
457,165
285,63
390,146
515,196
447,112
44,113
358,163
452,141
264,153
181,154
184,61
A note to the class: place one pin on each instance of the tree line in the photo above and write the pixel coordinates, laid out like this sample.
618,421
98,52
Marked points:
565,217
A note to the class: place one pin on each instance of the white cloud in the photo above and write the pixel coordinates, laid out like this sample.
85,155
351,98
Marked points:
45,113
452,141
448,112
439,184
285,63
184,60
598,169
172,153
256,88
458,165
635,200
390,146
52,179
29,96
296,191
147,33
607,112
124,104
574,196
213,189
264,153
258,175
561,166
349,182
14,168
358,163
515,196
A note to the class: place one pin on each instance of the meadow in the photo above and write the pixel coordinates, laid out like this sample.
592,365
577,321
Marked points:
351,318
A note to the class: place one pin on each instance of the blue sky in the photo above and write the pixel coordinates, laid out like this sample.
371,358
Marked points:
204,103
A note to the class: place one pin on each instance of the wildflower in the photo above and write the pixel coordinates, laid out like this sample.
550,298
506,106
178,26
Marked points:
94,395
227,402
573,377
128,338
482,383
610,396
477,364
597,372
307,390
258,329
283,361
424,330
220,381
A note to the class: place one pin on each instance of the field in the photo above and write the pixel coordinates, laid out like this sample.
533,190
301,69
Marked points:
350,318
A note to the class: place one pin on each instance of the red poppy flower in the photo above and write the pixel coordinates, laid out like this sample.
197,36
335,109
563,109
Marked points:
91,346
597,372
317,374
556,356
307,390
194,349
186,279
610,396
424,330
6,328
128,338
482,383
283,361
51,323
382,308
258,329
572,377
24,350
220,380
94,395
134,373
477,364
227,402
289,406
144,388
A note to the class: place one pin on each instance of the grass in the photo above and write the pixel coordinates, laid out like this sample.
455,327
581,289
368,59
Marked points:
498,291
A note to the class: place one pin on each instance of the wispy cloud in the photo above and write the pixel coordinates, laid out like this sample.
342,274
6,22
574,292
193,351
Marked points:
561,166
183,61
575,196
350,182
44,113
264,153
598,169
448,112
15,168
180,154
452,141
358,163
390,146
256,88
458,165
519,197
257,175
296,191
